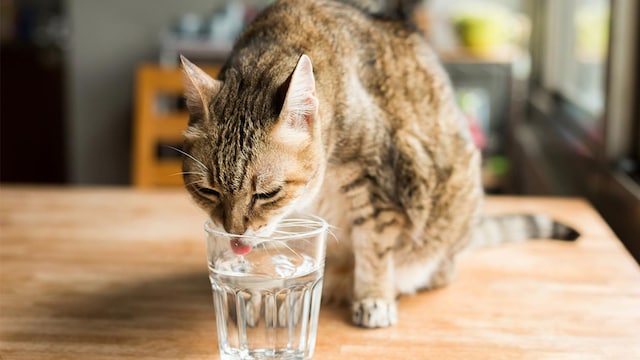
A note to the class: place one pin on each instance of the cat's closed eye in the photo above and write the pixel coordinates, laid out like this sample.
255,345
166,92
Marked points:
208,192
267,195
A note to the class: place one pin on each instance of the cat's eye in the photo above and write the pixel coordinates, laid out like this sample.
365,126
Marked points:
268,195
207,191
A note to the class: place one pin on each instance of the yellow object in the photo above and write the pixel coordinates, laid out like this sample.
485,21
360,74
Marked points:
482,30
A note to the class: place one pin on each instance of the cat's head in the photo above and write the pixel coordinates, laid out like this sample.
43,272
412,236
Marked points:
254,153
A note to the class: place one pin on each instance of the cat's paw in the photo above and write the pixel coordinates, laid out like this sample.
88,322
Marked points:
374,313
290,312
252,310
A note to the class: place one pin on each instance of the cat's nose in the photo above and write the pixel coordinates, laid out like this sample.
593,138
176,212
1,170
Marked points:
236,225
235,228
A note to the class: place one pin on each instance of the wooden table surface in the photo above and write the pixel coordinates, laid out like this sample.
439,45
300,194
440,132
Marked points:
116,273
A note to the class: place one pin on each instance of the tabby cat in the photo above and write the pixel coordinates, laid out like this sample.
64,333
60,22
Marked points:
340,108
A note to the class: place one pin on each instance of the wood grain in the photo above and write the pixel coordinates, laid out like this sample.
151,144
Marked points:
116,273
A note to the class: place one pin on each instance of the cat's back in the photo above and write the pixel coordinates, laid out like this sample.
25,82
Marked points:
355,55
301,22
340,38
331,32
307,16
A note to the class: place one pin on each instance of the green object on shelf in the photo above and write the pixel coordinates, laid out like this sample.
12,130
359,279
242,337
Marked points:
498,165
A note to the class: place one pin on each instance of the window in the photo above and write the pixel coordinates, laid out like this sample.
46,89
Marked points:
575,54
584,107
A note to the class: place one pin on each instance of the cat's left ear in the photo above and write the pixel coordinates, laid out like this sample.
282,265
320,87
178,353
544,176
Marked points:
200,88
301,104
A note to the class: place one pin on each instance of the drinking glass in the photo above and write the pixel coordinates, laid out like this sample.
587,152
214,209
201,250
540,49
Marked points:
267,290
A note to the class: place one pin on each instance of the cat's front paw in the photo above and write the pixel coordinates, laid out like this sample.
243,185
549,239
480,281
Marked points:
252,309
374,313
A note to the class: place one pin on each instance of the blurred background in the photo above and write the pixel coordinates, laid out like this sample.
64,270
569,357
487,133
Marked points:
91,91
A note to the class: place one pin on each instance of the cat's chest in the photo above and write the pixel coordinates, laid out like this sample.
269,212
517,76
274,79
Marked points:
332,205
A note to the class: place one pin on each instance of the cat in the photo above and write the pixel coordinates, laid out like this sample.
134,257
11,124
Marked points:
342,109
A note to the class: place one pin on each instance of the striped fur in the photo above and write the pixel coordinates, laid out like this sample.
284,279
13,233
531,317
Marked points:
500,229
402,10
324,107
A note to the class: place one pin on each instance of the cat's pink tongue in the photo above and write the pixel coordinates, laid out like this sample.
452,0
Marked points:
239,248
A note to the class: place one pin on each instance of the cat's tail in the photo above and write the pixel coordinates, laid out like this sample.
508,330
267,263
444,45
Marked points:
402,10
499,229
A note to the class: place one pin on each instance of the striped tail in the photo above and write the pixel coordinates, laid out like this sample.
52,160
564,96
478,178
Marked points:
494,230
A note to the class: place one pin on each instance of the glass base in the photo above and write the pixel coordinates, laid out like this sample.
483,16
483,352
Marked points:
258,354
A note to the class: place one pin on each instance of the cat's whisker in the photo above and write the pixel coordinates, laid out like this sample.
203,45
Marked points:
189,173
284,243
304,224
199,181
266,248
189,156
332,234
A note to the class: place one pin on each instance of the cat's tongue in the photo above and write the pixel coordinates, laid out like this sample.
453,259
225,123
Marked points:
239,248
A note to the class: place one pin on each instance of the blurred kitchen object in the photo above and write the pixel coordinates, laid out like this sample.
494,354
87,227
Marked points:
205,38
487,29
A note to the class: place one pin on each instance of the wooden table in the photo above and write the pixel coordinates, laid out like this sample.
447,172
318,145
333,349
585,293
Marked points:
115,273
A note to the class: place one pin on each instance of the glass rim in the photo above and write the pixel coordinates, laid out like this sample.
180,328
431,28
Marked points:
323,226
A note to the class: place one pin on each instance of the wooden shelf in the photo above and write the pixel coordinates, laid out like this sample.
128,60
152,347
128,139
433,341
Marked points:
153,127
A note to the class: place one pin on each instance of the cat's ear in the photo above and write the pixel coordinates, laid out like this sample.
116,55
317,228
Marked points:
199,88
301,104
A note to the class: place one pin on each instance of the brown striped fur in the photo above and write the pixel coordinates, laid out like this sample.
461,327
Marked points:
347,114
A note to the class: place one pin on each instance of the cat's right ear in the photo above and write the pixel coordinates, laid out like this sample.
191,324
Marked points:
200,88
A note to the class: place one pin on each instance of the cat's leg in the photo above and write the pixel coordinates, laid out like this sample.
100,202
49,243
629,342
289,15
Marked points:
252,309
374,303
290,309
443,275
374,227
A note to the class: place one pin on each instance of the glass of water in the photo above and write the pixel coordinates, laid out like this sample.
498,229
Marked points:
267,290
